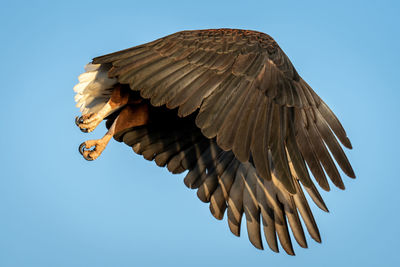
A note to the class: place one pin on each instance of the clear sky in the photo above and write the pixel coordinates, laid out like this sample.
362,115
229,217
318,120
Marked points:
56,209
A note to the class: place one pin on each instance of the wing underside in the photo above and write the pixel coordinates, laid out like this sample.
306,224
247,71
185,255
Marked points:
228,185
246,127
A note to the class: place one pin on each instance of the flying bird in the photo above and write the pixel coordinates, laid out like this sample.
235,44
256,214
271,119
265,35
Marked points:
228,107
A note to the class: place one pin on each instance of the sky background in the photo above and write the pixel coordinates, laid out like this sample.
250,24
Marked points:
56,209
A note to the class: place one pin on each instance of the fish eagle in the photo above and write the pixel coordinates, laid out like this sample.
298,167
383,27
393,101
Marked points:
227,107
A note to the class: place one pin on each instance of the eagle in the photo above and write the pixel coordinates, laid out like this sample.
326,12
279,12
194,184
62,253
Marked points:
227,107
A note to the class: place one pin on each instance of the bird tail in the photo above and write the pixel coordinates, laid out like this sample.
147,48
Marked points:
94,88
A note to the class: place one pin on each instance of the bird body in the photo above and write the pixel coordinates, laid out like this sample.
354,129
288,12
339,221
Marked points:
227,106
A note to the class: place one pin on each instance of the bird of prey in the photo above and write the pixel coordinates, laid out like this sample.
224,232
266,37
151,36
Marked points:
228,107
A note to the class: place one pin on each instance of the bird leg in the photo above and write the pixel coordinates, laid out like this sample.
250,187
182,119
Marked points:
119,98
98,145
130,116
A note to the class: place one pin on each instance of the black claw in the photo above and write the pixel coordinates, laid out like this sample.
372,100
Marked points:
77,121
82,148
88,158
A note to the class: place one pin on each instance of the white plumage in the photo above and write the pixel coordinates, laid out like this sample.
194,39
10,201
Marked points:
94,88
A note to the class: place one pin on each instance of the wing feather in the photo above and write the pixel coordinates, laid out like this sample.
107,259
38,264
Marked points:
335,124
307,150
295,224
241,145
259,146
333,145
226,134
306,214
190,89
277,148
251,208
283,231
268,219
213,109
218,203
228,184
125,72
208,187
198,95
256,128
150,84
227,177
179,85
235,201
161,86
323,155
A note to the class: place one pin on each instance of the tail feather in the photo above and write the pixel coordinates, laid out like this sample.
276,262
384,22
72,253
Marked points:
94,88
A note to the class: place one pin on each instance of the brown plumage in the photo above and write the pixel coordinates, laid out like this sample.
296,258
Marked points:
228,107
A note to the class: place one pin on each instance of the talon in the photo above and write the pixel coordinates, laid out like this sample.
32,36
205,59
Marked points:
81,119
92,149
82,148
88,122
87,157
85,151
77,121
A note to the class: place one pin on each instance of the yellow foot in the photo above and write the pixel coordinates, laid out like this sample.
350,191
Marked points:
88,122
92,154
92,149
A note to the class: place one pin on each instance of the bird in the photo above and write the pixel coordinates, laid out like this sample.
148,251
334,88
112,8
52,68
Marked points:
227,108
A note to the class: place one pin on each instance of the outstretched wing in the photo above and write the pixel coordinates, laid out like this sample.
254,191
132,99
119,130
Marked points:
250,98
226,183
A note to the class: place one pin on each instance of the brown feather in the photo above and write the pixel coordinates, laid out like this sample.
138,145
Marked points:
251,209
323,154
226,134
218,204
208,186
227,178
306,148
259,144
295,224
334,123
162,86
267,215
244,135
235,201
278,153
282,231
305,211
259,127
333,145
200,94
183,95
211,114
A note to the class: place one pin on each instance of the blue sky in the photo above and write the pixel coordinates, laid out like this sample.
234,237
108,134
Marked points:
57,209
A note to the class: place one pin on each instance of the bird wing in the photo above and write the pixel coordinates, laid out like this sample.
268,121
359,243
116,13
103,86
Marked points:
249,98
228,184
